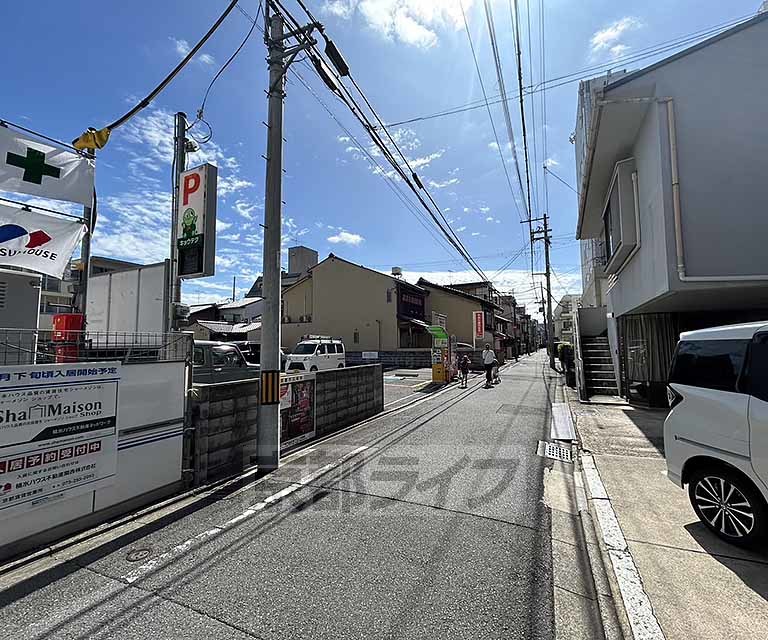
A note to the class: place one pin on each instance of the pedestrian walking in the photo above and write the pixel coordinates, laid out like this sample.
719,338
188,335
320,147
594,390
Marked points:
464,371
488,357
496,378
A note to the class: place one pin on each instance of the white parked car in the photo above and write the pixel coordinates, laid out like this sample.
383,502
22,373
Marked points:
317,353
716,433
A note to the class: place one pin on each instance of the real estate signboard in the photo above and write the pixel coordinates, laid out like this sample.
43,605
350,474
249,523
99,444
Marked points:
58,432
297,409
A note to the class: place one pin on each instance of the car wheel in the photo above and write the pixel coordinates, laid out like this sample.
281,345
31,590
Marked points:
729,505
313,368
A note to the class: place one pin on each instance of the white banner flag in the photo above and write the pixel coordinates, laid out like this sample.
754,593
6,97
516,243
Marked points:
40,169
36,241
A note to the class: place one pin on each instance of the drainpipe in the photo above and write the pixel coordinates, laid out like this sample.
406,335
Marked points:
676,207
378,322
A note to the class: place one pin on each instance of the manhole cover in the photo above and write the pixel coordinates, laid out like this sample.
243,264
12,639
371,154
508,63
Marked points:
136,555
554,451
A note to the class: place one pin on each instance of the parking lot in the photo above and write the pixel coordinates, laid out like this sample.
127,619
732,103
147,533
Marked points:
405,383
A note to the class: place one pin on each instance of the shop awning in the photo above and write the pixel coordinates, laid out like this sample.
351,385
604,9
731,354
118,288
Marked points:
416,323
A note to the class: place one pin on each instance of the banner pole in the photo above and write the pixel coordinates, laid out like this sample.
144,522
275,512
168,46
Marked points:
85,253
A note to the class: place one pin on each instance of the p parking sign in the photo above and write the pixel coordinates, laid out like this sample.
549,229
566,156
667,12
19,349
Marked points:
196,227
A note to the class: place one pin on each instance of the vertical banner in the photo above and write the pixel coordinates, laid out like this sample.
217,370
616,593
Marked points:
58,433
479,323
196,230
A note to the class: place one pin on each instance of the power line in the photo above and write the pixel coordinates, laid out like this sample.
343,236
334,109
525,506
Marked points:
346,97
557,177
575,76
488,108
505,107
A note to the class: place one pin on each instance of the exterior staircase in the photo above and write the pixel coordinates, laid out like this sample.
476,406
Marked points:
598,367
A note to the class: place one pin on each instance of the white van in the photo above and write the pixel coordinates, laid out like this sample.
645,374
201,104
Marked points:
716,434
317,353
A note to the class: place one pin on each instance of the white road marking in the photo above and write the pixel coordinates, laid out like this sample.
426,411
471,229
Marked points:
187,545
637,604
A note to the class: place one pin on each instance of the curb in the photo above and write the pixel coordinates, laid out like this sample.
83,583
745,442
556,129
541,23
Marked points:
631,615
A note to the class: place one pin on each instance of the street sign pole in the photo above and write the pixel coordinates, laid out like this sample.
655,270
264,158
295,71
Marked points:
179,165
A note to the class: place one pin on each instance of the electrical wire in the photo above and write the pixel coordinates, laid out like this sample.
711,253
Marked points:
201,111
586,72
347,98
488,108
505,109
557,177
164,83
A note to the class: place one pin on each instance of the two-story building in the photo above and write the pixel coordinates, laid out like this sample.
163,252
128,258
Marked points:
672,191
371,311
459,306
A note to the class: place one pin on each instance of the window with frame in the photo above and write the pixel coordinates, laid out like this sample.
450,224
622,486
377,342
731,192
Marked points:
709,364
757,375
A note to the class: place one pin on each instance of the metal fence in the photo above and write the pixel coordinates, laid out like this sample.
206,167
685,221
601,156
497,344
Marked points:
29,346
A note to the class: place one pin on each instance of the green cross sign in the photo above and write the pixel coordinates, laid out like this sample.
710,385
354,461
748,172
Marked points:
34,166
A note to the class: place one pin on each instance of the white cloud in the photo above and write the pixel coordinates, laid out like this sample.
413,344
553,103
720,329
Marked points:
246,208
182,46
606,40
407,141
414,22
206,58
489,219
445,183
221,225
231,184
460,229
225,263
230,237
475,234
484,209
551,162
345,237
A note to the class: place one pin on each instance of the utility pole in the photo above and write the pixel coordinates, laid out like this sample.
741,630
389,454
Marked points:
547,273
179,165
268,438
234,287
550,327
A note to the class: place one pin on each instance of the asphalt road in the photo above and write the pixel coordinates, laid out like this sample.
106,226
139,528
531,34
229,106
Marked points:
436,529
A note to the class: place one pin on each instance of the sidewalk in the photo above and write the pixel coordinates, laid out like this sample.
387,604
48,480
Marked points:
697,586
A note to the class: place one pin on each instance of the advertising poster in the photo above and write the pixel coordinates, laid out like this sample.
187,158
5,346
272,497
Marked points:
297,419
58,432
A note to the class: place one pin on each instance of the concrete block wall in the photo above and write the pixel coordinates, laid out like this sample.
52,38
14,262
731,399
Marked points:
225,418
349,395
401,359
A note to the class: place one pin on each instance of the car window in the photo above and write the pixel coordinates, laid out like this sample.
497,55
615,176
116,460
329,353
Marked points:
304,349
198,356
225,357
758,367
321,349
339,348
711,364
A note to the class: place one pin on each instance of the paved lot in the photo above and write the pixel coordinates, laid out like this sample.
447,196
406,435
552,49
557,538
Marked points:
431,522
405,383
699,586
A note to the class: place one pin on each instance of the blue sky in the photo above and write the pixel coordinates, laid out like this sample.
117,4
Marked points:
78,64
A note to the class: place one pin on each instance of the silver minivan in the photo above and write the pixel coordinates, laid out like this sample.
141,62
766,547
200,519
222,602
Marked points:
716,433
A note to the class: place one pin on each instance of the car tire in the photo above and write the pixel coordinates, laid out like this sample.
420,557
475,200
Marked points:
729,505
312,369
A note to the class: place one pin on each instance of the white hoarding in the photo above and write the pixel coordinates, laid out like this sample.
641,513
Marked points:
58,432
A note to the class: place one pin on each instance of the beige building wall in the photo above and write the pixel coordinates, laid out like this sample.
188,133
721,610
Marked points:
458,311
344,300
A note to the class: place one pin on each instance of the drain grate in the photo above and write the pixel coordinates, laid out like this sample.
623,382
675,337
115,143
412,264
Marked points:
554,451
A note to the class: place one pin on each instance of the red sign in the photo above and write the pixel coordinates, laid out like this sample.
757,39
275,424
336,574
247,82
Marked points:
479,324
